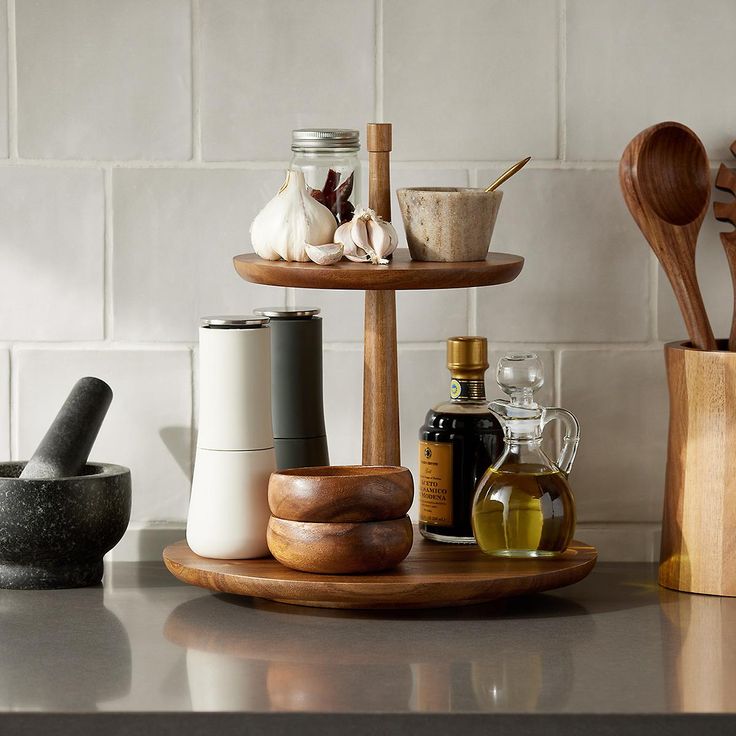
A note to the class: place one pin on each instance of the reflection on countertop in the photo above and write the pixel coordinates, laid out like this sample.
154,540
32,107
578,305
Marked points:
615,643
297,659
44,645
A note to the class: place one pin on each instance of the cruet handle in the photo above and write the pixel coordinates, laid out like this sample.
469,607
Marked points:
570,439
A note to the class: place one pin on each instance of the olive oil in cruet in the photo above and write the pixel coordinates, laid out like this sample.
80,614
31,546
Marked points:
523,506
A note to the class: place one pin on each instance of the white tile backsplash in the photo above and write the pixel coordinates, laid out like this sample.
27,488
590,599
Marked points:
52,229
138,139
421,316
343,398
270,66
460,83
147,427
4,128
622,542
176,232
631,64
620,398
586,274
104,79
4,405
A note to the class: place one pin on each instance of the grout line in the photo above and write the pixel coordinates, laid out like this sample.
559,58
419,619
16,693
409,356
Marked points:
50,163
196,81
174,345
107,279
562,82
378,68
289,297
103,345
472,310
13,413
509,345
280,165
472,292
557,368
9,397
12,82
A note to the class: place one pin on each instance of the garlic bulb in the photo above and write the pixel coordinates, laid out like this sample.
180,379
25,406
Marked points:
367,237
325,255
289,221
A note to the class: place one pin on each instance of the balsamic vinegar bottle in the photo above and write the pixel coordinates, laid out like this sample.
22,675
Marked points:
458,442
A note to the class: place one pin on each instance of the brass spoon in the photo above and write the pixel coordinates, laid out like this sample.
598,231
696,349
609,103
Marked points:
508,174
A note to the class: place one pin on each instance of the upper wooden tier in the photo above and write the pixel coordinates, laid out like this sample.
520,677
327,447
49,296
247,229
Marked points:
402,273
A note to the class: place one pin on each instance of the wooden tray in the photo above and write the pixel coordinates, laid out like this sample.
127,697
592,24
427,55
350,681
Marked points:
401,274
432,576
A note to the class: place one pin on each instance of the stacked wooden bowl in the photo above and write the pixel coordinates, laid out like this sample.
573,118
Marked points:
342,519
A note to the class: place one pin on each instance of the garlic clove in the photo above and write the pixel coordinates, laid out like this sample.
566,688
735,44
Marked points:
325,255
383,237
358,259
342,236
359,234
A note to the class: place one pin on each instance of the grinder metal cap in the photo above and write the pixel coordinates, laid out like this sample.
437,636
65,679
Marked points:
234,321
467,357
288,312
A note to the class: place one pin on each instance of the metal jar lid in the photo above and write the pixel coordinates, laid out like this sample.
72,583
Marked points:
335,140
234,322
288,312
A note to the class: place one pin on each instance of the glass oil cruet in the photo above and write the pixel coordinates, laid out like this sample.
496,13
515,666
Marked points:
523,505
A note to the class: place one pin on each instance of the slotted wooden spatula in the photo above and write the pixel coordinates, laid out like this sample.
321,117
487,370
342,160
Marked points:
726,212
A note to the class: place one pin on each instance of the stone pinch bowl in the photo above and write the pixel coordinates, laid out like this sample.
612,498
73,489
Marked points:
54,533
449,224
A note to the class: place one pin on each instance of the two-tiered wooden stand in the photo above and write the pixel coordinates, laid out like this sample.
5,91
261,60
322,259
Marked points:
433,575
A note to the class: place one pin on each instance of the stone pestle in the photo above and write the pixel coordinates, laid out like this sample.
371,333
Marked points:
64,450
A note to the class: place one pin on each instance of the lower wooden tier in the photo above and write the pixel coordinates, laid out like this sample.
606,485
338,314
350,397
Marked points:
432,576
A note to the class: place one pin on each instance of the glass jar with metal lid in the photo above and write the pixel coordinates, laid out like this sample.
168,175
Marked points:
328,158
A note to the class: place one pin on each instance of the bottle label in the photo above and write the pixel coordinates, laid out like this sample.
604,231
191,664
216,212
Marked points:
435,483
462,389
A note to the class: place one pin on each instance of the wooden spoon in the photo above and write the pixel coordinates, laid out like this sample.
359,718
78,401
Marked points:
665,178
726,212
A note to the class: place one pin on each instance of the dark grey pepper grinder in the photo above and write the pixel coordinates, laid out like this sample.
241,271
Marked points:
296,386
64,450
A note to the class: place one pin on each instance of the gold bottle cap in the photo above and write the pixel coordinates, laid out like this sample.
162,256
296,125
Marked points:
467,357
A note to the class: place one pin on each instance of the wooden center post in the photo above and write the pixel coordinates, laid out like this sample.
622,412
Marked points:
381,444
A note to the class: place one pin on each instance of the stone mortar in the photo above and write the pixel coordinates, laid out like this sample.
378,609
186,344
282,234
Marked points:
449,223
54,532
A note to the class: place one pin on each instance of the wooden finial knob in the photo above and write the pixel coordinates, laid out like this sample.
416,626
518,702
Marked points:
379,137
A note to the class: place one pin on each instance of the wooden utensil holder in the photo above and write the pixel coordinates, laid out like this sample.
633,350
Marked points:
698,551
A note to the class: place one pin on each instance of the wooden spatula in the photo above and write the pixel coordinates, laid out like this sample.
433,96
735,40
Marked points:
726,212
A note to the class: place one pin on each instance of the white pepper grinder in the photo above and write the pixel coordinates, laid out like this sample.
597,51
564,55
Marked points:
228,509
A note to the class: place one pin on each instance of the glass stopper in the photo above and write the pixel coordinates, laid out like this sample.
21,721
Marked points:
520,375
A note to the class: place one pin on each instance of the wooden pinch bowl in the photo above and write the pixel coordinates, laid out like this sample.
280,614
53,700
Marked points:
342,548
341,493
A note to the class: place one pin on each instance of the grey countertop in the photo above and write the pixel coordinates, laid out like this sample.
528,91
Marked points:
145,653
